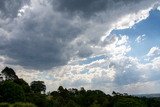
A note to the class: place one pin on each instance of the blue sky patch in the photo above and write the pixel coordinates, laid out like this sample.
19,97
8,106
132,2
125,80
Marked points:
92,59
147,27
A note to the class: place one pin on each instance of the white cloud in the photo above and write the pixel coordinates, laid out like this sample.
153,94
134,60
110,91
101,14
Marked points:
158,8
129,20
22,11
119,73
140,88
140,38
115,70
154,52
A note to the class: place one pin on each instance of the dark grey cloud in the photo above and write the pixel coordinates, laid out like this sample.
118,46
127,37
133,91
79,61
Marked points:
40,39
85,52
88,8
41,43
10,8
43,36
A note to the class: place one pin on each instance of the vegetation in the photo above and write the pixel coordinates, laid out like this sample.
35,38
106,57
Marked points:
38,87
18,104
15,92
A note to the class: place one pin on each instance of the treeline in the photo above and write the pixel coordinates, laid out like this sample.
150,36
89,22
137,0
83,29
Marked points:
15,92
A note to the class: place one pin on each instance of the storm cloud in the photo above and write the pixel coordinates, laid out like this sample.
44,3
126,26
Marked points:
10,8
89,8
50,33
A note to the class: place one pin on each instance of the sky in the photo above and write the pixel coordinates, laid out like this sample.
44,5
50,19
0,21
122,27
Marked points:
109,45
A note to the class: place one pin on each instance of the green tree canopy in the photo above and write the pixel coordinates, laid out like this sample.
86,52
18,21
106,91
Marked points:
11,92
38,86
9,74
23,84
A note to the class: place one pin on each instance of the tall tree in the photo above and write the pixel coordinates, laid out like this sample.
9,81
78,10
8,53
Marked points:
38,86
9,74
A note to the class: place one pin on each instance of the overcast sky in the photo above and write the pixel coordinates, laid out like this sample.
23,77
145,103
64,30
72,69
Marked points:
96,44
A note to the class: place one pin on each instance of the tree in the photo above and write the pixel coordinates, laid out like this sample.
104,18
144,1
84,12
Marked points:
129,102
55,94
63,92
1,78
11,92
114,93
60,89
23,84
38,99
9,74
38,86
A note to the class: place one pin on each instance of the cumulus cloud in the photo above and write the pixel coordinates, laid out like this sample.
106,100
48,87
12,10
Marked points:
45,34
41,41
118,72
154,52
131,19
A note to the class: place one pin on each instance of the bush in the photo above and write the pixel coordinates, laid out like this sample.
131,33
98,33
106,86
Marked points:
19,104
4,105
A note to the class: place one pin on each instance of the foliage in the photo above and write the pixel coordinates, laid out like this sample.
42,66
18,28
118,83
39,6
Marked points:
23,84
129,102
9,74
17,104
39,99
20,104
11,92
38,86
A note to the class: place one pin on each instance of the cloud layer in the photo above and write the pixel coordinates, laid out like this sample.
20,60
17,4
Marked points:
44,36
56,36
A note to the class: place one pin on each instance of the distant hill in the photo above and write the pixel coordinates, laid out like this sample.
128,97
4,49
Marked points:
149,95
